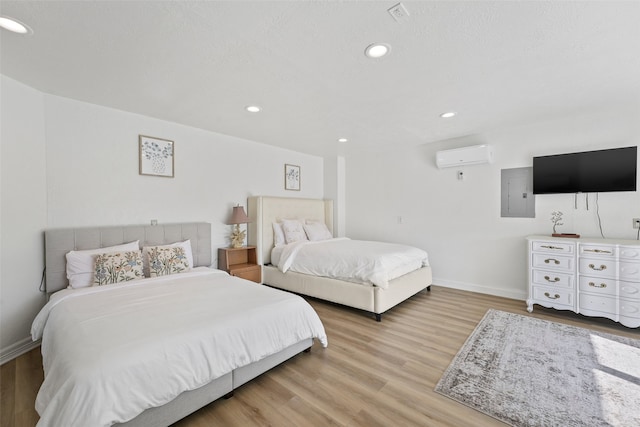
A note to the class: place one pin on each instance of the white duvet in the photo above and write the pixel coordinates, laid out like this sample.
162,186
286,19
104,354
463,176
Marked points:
350,260
111,352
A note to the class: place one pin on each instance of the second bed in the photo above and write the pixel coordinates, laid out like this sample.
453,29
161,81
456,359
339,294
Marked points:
373,294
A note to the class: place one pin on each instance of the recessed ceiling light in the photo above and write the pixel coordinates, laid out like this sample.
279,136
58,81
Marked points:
377,50
253,108
342,140
14,25
448,114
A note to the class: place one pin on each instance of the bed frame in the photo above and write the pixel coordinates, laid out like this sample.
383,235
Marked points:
60,241
264,211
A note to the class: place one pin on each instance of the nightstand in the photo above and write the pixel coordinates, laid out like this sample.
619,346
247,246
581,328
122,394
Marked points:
240,262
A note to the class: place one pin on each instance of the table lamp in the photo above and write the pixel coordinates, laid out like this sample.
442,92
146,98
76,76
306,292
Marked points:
238,217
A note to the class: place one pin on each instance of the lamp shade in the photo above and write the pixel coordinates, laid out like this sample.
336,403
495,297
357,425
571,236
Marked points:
239,216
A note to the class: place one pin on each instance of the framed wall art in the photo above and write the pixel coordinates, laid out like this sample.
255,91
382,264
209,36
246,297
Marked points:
292,177
156,156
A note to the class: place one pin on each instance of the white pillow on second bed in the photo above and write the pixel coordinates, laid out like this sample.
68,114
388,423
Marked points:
278,234
299,230
293,230
317,230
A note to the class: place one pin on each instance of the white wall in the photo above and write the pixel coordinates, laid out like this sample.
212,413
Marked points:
334,189
90,154
23,202
92,170
458,222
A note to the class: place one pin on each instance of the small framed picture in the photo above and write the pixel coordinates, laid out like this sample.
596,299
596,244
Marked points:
156,156
292,177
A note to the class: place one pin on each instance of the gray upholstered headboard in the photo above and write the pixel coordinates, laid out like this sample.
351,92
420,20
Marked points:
60,241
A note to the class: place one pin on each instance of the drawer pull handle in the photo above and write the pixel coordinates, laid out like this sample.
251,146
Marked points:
551,247
548,279
556,296
548,260
601,285
602,267
598,251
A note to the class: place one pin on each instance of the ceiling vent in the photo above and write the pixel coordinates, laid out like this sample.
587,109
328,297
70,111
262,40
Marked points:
399,12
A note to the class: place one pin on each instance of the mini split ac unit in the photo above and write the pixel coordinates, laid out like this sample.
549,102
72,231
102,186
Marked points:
473,155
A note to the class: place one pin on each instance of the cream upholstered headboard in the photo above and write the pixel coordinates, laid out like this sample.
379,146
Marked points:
60,241
264,211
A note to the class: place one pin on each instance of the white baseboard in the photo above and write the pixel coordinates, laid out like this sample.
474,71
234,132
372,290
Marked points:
518,294
17,349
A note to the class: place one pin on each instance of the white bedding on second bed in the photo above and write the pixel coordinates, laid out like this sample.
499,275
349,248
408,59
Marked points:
111,352
356,261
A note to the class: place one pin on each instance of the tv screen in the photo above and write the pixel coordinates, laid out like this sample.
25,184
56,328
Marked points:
586,172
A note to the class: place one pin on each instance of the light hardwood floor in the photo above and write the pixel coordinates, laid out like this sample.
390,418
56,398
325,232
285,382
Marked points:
372,374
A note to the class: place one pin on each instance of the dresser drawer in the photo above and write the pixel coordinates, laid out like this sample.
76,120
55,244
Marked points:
593,250
552,297
629,252
629,290
552,261
629,271
600,303
600,286
555,247
597,267
629,308
552,278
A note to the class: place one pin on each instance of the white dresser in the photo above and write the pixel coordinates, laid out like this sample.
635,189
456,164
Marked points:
594,277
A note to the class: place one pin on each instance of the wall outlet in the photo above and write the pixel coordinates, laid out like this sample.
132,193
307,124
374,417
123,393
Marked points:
636,222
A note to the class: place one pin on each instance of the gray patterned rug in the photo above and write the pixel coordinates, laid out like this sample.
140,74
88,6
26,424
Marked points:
531,372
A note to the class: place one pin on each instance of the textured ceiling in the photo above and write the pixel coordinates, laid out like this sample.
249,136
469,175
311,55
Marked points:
200,63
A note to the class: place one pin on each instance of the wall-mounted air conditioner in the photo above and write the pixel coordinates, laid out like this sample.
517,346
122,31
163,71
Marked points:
473,155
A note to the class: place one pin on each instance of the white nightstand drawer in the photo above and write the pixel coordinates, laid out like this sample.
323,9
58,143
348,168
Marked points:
629,308
552,261
598,267
558,247
629,252
552,278
629,290
548,296
629,271
601,286
603,251
599,303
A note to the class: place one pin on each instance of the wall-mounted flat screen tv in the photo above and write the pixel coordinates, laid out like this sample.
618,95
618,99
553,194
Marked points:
586,172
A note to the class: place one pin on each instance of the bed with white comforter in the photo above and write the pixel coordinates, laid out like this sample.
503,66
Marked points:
111,352
358,261
370,276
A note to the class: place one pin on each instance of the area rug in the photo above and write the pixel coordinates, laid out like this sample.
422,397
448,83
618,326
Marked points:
531,372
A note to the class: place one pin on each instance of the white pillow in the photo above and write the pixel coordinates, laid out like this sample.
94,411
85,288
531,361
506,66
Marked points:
80,264
317,231
278,235
186,245
293,230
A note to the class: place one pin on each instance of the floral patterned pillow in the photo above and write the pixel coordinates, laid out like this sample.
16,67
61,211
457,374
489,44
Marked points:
167,260
115,267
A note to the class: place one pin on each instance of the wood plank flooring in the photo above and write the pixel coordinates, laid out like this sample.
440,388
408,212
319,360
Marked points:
372,374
